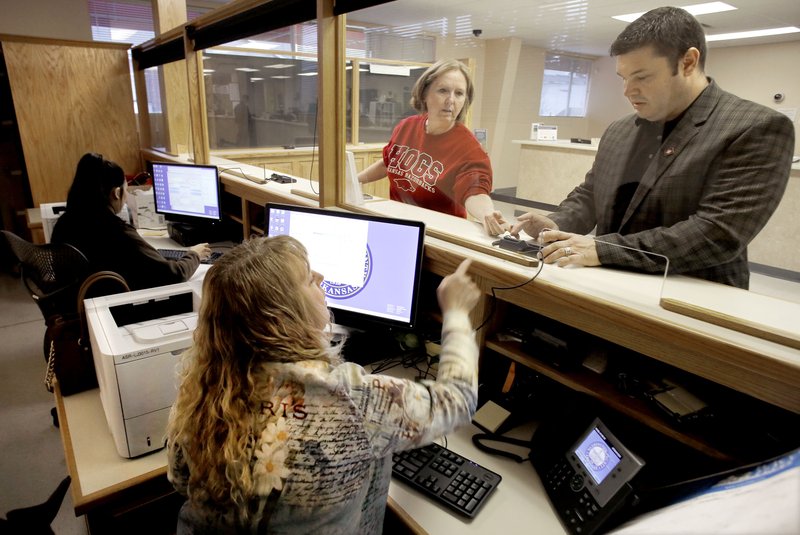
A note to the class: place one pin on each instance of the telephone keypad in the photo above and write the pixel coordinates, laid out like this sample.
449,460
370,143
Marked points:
576,506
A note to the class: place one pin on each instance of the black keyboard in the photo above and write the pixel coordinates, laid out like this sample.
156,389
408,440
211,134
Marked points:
447,477
211,259
177,254
172,254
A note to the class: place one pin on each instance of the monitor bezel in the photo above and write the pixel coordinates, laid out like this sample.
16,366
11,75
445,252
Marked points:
185,218
362,320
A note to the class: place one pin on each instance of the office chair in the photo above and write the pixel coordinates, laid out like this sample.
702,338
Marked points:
52,273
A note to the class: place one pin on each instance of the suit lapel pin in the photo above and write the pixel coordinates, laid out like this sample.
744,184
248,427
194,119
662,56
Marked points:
669,151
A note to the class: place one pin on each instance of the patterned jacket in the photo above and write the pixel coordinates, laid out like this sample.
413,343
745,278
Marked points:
713,185
324,436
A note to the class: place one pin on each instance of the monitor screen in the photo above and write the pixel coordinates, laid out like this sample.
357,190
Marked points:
597,455
185,192
371,264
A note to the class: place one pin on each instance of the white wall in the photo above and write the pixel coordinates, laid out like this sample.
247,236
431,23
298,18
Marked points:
758,72
606,101
54,19
754,72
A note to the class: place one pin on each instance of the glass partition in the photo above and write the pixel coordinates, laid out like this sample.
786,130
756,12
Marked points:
261,92
155,107
257,99
383,97
262,96
271,79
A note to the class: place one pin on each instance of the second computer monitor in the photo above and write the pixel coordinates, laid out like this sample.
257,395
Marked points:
186,193
371,264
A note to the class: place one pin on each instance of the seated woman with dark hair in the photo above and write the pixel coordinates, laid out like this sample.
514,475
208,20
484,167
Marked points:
271,432
91,224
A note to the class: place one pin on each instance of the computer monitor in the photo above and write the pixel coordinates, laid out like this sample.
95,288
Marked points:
186,193
371,264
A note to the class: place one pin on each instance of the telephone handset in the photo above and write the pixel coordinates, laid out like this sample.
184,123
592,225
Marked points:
591,480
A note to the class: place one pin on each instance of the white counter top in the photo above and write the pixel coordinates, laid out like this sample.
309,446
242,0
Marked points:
558,144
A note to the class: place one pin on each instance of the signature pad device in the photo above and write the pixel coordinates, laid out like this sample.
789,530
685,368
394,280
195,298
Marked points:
510,243
282,179
446,477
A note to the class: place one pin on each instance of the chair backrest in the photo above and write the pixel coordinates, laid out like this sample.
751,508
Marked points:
52,273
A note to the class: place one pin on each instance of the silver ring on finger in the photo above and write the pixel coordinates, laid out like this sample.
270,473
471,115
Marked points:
567,251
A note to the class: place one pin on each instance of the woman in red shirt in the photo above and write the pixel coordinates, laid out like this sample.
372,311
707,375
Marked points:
432,159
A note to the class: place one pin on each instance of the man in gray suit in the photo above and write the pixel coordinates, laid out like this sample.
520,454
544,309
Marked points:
694,174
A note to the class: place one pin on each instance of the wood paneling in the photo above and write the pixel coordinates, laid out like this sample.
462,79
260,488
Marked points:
70,99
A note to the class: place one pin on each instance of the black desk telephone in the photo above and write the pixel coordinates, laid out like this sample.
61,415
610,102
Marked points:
590,476
591,480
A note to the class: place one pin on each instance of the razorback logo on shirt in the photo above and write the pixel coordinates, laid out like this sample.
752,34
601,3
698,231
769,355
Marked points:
417,168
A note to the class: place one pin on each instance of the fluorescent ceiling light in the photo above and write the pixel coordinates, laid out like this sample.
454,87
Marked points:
246,69
279,66
207,71
709,7
752,33
258,45
695,9
280,77
255,79
306,74
393,70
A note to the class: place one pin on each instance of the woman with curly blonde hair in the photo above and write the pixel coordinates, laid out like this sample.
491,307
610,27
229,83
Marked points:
271,432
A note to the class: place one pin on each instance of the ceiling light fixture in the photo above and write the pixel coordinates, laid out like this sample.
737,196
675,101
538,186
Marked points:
694,9
752,33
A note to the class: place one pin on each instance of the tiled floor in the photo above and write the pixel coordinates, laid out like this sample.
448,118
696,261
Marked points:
32,462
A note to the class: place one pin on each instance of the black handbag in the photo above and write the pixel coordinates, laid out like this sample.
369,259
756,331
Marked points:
70,361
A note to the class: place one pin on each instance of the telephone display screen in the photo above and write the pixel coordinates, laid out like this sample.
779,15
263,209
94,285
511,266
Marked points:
597,456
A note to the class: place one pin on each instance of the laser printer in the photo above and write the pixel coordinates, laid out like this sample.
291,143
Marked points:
137,338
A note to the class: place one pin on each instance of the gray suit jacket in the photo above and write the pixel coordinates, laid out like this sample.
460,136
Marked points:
715,182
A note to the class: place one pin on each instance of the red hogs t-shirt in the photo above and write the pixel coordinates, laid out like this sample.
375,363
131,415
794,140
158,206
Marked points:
438,172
